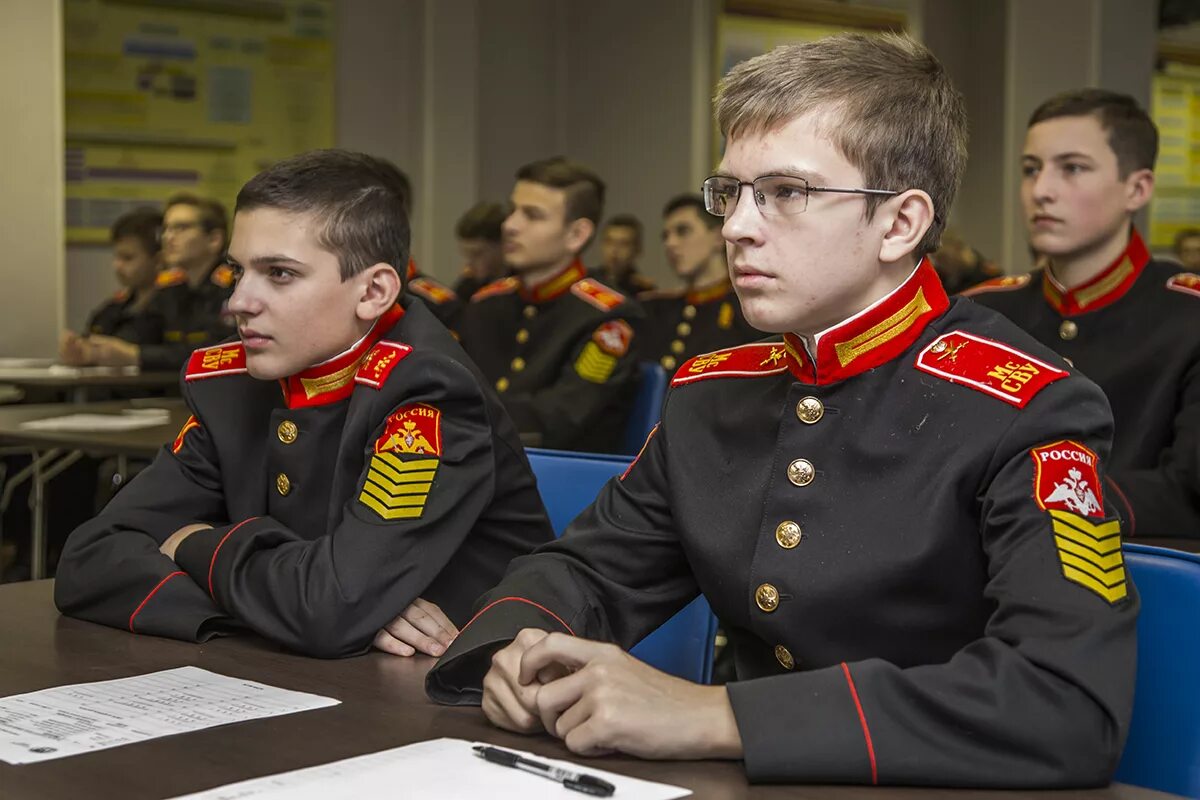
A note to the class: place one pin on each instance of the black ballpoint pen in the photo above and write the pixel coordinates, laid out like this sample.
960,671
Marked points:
587,784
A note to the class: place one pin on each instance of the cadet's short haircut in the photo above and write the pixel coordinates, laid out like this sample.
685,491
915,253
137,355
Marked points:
358,198
143,224
692,201
584,189
1131,134
884,100
626,221
482,221
212,214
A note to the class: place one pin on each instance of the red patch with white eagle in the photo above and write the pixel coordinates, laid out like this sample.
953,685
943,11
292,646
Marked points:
210,362
1186,282
380,362
988,366
614,337
1067,478
415,429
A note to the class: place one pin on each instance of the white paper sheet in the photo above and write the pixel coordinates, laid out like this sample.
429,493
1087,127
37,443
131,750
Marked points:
130,420
68,720
445,769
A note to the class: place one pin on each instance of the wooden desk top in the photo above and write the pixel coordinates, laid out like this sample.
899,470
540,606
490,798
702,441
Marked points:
383,706
58,376
140,442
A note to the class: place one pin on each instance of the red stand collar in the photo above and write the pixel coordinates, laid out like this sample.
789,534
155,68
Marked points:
1102,290
333,380
556,286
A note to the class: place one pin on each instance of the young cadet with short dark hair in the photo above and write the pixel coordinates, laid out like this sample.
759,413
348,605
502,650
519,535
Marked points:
481,245
620,248
1128,322
1187,248
557,344
895,507
705,314
346,477
135,262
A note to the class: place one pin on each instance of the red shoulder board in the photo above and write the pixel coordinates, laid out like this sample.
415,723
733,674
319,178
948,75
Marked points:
987,366
380,362
1005,284
222,276
431,290
502,286
210,362
1186,282
170,277
746,361
597,294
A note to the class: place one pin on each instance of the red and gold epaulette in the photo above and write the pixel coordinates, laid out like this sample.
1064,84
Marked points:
211,362
596,293
1185,282
432,291
987,366
222,276
1006,283
170,277
744,361
380,362
502,286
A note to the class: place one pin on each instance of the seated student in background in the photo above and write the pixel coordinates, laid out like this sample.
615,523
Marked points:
369,501
557,345
481,245
1128,322
959,265
1187,248
440,299
704,315
135,262
620,248
895,507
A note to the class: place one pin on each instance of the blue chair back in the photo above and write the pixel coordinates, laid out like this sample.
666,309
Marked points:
568,483
1163,748
647,406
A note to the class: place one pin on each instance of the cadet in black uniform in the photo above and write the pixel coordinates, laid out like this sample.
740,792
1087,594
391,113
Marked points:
705,314
1128,322
481,245
620,248
439,297
895,507
376,495
558,345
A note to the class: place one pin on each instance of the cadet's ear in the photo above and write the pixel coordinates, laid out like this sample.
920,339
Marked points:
1139,187
579,233
380,289
905,218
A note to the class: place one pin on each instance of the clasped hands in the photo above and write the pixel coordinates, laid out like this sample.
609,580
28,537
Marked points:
106,351
599,699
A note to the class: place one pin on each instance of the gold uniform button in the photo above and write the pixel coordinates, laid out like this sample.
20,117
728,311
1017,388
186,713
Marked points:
518,364
787,534
810,410
677,347
668,362
283,483
287,431
1068,330
502,385
784,657
522,336
689,312
767,597
801,472
530,312
683,329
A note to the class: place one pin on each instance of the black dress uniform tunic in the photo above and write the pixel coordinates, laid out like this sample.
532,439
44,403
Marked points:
681,324
1134,329
387,473
904,535
118,317
561,355
630,283
190,316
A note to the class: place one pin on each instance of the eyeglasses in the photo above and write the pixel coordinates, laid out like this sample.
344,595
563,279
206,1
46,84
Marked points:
775,195
179,227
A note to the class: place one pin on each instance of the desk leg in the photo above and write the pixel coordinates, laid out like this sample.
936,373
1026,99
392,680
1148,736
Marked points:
45,469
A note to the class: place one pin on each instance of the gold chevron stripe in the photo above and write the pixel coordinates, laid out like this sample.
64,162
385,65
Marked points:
402,477
1111,594
391,500
884,332
400,465
1096,530
594,364
390,513
397,489
1109,577
1102,547
1106,562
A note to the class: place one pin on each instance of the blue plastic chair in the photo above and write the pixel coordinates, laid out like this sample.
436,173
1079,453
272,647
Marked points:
647,407
1163,748
568,483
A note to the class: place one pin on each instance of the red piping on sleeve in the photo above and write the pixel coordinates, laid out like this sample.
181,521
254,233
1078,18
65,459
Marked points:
519,600
862,718
145,600
1128,506
213,562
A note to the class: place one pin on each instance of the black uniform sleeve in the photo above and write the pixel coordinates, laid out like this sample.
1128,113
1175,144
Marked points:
111,571
590,381
329,596
1165,500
